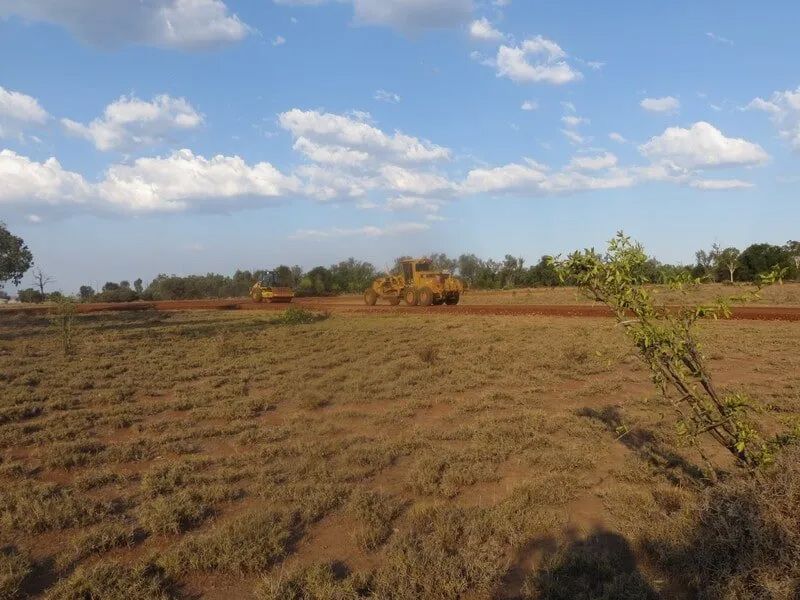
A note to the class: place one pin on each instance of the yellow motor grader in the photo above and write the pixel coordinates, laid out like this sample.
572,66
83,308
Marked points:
268,290
417,284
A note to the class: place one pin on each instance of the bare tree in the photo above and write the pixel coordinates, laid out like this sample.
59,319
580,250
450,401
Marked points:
41,280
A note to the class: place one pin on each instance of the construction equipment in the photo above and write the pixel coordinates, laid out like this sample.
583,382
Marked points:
416,284
269,290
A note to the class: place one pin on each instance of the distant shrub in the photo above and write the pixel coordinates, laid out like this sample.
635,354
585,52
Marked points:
299,316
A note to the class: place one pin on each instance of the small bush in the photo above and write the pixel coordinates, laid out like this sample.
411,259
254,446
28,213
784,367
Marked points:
299,316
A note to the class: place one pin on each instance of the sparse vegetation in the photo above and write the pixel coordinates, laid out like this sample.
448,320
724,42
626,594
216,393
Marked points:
332,461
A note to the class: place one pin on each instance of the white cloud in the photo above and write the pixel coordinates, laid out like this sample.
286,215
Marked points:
412,203
366,231
721,184
28,183
574,121
412,15
352,134
180,182
130,122
532,178
279,41
574,137
182,24
616,137
702,146
18,111
530,105
536,60
184,180
718,38
483,31
784,110
668,104
384,96
594,163
407,181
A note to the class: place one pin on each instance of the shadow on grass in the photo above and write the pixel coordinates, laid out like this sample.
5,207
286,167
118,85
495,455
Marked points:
646,446
600,566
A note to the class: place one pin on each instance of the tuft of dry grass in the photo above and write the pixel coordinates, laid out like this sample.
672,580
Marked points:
375,513
112,581
15,567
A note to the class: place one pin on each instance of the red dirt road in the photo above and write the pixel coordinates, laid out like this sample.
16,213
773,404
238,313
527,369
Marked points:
355,305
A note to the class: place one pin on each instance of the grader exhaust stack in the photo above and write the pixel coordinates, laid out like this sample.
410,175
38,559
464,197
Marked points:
417,284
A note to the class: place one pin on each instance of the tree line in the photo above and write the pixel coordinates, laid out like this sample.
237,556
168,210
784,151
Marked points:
353,276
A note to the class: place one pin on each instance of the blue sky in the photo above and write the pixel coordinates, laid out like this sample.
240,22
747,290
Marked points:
186,136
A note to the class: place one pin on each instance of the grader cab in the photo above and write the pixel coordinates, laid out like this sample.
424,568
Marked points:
270,290
417,284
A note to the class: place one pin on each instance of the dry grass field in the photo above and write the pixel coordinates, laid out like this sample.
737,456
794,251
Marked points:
229,455
787,294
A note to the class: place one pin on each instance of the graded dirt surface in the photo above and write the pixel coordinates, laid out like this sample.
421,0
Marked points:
372,455
774,305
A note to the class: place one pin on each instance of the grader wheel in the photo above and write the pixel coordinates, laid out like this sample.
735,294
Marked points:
411,297
394,301
370,297
425,297
256,296
450,300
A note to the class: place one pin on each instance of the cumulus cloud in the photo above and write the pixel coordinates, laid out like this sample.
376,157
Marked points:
184,180
176,183
413,203
181,24
702,146
130,122
784,110
353,134
594,163
366,231
19,111
533,178
720,184
536,60
483,31
28,183
530,105
667,104
616,137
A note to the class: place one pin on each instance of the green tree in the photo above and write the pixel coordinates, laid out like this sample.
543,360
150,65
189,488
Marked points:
15,258
762,258
352,276
666,343
793,248
30,295
727,260
137,286
86,293
442,262
284,276
469,267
